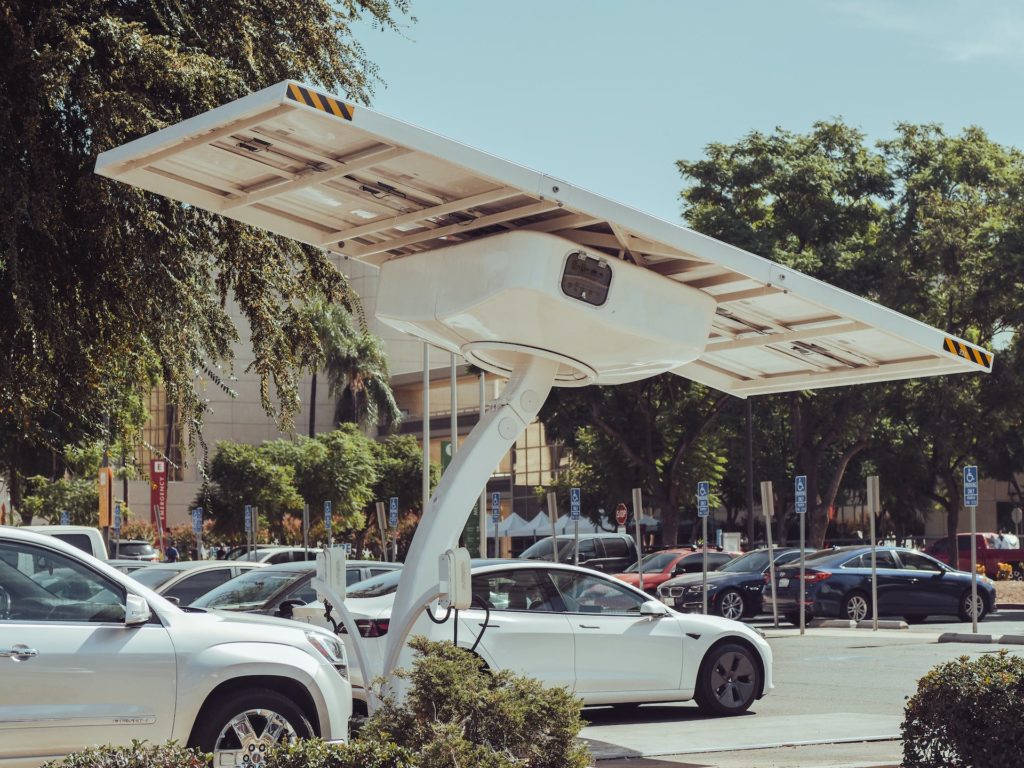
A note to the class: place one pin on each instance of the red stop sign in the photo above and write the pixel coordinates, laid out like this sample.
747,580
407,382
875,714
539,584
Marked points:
620,514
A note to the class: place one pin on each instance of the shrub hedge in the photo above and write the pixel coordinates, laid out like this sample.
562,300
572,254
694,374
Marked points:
967,714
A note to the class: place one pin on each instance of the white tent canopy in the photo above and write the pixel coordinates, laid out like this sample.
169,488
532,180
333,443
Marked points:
565,525
513,522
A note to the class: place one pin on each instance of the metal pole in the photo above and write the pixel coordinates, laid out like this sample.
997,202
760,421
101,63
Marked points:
768,508
382,530
305,531
750,474
426,428
576,545
974,571
704,569
483,492
553,517
872,512
638,511
803,586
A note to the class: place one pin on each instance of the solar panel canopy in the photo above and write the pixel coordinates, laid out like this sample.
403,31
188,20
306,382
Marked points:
311,166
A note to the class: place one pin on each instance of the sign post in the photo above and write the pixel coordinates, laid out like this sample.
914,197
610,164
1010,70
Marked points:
638,512
328,524
873,504
382,529
553,519
768,508
971,502
801,510
496,518
574,513
393,523
1016,515
248,529
197,529
305,531
703,510
117,529
158,496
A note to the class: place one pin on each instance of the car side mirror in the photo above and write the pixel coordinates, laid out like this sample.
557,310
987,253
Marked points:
172,599
653,609
136,611
286,609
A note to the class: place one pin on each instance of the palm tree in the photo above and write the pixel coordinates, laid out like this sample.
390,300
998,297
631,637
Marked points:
357,370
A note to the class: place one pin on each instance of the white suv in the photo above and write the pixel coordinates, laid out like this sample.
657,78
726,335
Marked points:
88,656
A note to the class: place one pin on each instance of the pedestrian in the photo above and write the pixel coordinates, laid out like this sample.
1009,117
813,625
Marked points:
171,553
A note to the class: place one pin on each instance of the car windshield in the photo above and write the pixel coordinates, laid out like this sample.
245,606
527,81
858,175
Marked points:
384,584
250,590
154,577
748,563
134,548
656,561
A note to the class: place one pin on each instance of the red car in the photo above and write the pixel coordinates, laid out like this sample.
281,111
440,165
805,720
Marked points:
661,566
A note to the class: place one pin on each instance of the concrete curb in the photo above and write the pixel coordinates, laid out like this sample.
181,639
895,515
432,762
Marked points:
961,637
883,624
851,624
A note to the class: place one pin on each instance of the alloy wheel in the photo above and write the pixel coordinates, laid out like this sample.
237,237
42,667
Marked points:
248,736
732,679
856,607
731,605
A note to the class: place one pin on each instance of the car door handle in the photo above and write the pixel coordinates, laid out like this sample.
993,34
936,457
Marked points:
589,626
488,626
19,652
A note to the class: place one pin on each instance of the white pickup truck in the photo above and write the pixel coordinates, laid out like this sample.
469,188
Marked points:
88,656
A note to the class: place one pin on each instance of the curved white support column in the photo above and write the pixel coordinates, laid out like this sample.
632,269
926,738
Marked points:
460,488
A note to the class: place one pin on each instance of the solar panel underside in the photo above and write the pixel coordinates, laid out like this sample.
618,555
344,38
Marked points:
309,166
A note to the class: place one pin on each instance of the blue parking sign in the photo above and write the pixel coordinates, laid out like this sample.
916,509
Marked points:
197,520
393,512
117,516
248,518
574,503
970,486
65,518
801,494
703,498
327,514
495,507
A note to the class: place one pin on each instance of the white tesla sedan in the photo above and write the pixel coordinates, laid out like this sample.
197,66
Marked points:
604,640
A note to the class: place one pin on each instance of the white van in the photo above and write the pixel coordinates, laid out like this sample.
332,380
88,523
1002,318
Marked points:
84,537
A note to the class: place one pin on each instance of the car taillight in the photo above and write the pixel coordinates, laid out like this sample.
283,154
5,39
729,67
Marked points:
812,577
373,627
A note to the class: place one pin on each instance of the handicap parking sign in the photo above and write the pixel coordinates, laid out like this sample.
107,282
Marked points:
574,503
495,507
703,493
393,512
970,486
801,494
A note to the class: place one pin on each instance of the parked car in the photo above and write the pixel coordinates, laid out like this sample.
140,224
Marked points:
659,567
133,550
275,590
734,590
184,582
84,537
910,584
991,550
275,555
606,641
88,656
608,552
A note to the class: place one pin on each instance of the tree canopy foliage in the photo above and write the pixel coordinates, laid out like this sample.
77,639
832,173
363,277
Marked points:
107,290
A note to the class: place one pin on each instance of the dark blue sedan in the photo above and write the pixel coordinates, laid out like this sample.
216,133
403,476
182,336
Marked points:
910,584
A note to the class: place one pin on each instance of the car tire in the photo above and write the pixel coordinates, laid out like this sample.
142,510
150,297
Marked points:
916,618
262,709
856,606
730,605
964,606
729,680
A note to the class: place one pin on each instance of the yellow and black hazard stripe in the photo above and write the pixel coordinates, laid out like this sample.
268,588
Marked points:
320,101
967,352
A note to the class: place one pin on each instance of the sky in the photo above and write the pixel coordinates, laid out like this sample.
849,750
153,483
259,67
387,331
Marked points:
608,94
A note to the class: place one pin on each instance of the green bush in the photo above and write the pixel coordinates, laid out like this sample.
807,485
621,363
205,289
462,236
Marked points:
138,755
313,753
967,714
457,713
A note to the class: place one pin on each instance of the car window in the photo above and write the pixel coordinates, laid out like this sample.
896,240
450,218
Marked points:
522,589
80,541
787,557
963,543
46,586
197,584
615,547
690,565
279,557
134,549
752,562
914,561
717,559
353,576
654,562
153,577
385,584
303,590
380,571
583,593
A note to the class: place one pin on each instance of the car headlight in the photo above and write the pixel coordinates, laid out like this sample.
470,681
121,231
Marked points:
330,648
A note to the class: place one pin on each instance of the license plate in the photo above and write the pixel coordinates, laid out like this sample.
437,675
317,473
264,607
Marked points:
667,600
783,582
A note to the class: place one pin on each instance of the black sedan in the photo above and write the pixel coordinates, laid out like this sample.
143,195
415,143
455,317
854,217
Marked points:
734,590
910,584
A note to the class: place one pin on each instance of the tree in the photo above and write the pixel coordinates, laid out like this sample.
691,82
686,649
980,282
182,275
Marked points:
361,383
108,291
653,434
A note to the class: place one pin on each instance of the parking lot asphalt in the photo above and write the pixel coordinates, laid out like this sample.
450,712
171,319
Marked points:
838,703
